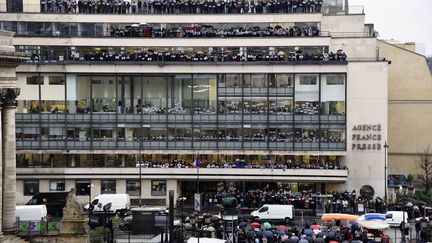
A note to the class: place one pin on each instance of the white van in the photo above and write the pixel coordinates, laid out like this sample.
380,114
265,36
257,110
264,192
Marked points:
394,218
120,203
275,212
31,212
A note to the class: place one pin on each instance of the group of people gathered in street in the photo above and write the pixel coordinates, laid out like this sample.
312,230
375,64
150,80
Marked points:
339,202
180,6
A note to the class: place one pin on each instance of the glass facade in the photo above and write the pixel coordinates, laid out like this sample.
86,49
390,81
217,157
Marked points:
302,112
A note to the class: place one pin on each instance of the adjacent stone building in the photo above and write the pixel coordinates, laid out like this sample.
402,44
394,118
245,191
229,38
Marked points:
409,106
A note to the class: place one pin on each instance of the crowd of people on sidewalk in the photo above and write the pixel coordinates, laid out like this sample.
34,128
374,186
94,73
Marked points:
149,55
180,6
209,31
345,202
310,233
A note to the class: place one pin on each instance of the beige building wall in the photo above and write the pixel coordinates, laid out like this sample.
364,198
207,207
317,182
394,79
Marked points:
410,107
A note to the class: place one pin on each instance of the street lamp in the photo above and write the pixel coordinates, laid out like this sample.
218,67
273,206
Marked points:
385,171
89,186
140,164
182,201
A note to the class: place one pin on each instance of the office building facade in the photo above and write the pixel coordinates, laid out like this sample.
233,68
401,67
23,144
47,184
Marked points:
101,94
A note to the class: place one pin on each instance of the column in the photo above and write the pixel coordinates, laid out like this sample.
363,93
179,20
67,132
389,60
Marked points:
9,159
2,95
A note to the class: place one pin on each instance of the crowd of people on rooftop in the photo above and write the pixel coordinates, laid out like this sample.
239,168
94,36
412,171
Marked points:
180,6
209,31
149,55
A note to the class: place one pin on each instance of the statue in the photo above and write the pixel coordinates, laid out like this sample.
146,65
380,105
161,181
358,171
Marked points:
72,210
73,221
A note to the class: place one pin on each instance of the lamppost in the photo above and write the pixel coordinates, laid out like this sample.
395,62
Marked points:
90,208
89,186
181,201
385,172
140,164
166,226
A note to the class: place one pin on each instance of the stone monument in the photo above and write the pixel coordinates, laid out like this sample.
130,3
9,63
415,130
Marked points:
73,224
73,221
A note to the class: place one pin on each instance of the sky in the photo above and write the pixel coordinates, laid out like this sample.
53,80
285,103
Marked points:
403,20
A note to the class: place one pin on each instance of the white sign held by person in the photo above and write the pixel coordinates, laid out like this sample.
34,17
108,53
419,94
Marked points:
197,202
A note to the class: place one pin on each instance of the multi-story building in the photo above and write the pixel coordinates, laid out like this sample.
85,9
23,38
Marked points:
263,92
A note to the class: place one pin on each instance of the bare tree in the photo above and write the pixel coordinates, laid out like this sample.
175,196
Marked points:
424,168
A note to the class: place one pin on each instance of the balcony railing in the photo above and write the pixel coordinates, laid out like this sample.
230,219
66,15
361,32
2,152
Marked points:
319,174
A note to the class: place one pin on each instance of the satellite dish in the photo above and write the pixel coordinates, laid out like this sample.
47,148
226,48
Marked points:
367,192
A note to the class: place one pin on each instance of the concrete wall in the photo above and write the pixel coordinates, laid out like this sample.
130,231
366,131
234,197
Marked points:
366,105
343,23
355,48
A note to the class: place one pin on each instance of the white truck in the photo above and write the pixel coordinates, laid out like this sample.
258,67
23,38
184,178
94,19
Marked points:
31,212
395,218
275,212
120,203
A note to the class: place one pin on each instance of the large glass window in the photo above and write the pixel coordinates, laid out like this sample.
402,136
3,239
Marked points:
307,94
104,93
31,187
154,95
182,95
158,188
108,186
79,94
35,80
57,185
53,93
133,187
204,93
28,100
82,187
333,94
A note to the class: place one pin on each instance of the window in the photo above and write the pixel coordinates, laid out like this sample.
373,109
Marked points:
108,186
158,188
31,187
263,209
133,187
82,187
35,80
57,185
335,80
56,80
308,80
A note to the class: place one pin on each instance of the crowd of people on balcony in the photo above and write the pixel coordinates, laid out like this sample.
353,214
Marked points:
209,31
151,56
242,164
180,6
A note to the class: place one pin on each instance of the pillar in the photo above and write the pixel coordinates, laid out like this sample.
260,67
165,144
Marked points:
2,94
9,159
